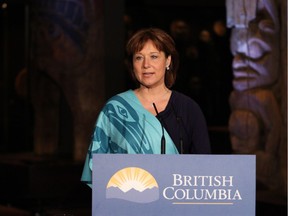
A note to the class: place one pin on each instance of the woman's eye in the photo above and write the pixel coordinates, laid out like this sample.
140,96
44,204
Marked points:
154,57
138,58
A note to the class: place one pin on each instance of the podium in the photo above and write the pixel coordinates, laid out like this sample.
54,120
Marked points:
173,185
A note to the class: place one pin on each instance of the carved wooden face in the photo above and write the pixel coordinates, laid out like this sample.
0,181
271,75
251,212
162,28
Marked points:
59,32
256,51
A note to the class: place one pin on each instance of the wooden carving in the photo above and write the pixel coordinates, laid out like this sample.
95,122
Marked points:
66,68
256,120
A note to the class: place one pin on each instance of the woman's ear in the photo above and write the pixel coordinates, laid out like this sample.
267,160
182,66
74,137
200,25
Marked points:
168,61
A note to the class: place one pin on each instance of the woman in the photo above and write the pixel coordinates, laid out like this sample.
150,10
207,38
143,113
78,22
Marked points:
150,119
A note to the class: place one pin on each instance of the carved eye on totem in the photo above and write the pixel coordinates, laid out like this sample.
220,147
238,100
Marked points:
258,49
267,26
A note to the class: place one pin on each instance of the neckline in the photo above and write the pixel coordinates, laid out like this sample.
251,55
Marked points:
163,112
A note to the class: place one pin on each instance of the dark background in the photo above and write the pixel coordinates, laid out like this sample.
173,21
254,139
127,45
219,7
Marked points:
55,186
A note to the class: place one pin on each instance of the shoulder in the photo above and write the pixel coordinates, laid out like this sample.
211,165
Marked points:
125,95
123,101
185,105
181,99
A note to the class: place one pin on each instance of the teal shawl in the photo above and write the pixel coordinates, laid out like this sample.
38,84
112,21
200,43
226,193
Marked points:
124,126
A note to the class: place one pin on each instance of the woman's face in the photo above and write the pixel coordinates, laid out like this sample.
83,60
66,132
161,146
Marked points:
149,65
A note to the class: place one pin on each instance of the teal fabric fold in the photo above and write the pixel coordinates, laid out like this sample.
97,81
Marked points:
124,126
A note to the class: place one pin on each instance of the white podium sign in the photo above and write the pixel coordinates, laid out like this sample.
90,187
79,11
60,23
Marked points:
173,185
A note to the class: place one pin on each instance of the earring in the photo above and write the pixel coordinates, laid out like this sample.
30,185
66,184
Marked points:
167,68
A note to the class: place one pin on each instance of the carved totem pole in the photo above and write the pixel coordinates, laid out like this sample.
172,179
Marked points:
256,122
66,66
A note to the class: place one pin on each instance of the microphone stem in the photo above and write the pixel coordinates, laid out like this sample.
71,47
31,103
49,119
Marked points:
163,144
163,141
181,146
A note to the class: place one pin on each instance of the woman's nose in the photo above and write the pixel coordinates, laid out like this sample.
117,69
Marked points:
146,63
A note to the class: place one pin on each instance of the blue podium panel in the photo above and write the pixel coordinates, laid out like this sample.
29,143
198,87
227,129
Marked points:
173,185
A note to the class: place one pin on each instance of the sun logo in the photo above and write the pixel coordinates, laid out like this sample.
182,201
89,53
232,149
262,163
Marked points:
133,184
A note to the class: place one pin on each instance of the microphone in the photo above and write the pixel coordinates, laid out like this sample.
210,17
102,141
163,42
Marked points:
179,120
180,123
163,141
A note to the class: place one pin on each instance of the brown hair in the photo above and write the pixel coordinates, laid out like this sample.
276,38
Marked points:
163,42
